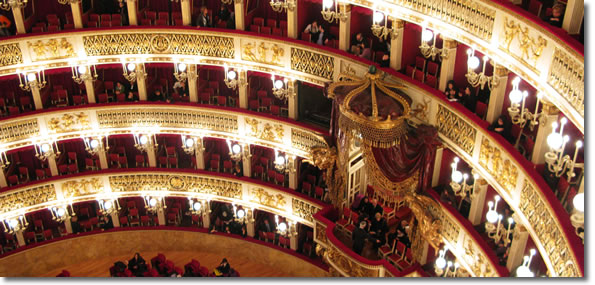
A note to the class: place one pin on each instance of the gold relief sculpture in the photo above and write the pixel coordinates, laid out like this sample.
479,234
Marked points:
304,210
503,170
160,43
51,49
262,52
485,153
321,233
456,129
312,63
421,110
567,76
10,54
27,197
262,197
18,130
327,159
530,48
69,123
177,183
83,187
269,132
430,226
345,264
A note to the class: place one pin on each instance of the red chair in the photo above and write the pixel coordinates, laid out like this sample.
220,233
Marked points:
272,23
162,161
106,17
271,175
214,165
277,32
163,15
280,179
53,28
102,98
283,26
133,217
63,169
258,171
253,105
205,98
37,30
172,218
172,162
255,28
265,30
284,242
116,17
527,147
105,24
176,15
221,101
562,187
151,15
275,110
68,26
227,166
146,22
73,168
161,22
40,174
535,7
144,220
94,222
481,109
420,63
306,188
431,81
270,237
178,22
433,68
258,21
30,237
409,71
418,75
13,180
124,221
306,37
318,192
387,249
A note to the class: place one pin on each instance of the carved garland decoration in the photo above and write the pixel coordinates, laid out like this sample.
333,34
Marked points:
68,123
351,268
83,187
456,129
51,49
268,132
262,197
261,53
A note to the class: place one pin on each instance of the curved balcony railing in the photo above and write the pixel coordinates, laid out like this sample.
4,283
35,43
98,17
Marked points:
513,177
563,84
125,241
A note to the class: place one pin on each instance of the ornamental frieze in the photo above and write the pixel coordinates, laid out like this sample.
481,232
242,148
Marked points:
27,198
263,197
503,170
268,132
312,63
567,76
348,266
51,49
18,130
303,209
69,123
452,126
10,54
262,52
83,187
529,48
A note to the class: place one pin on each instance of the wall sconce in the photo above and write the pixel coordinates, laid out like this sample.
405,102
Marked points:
281,227
131,73
441,262
522,116
233,79
196,207
94,145
32,80
458,181
331,16
3,159
523,270
497,232
237,151
145,142
284,163
239,214
557,162
192,144
578,217
180,71
280,5
45,150
431,51
84,72
480,79
226,2
382,31
61,213
281,89
154,204
16,224
8,4
109,206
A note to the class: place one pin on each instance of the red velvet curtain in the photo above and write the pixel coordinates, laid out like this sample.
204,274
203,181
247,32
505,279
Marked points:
416,153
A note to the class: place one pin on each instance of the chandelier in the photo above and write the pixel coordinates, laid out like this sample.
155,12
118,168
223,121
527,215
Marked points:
196,207
180,71
145,142
45,150
557,162
131,73
94,145
282,89
382,31
192,144
442,266
332,16
82,72
3,159
32,80
233,79
282,227
431,51
497,231
8,4
281,5
16,224
227,2
109,206
522,116
241,215
480,79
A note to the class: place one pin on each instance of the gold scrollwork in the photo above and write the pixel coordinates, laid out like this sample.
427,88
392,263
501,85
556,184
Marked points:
306,140
348,266
262,197
69,123
312,63
304,209
456,129
530,48
27,198
10,54
261,53
321,233
52,49
421,110
81,187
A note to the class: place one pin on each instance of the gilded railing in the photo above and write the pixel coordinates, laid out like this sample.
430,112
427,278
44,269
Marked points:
168,119
195,184
524,47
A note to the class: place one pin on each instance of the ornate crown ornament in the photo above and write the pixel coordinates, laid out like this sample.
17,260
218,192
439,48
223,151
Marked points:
371,108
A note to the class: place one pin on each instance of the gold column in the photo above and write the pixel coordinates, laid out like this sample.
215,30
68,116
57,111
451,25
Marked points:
293,175
243,88
186,13
140,82
396,44
292,22
53,165
36,97
20,238
152,157
200,159
161,217
573,16
447,68
17,13
239,14
497,94
77,15
550,113
115,219
518,245
68,226
132,18
344,28
247,165
293,100
103,160
193,82
90,90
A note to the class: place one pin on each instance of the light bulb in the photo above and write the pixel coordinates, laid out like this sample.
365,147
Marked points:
278,84
197,206
427,35
378,17
465,176
108,205
497,198
555,140
516,96
511,220
469,52
280,160
473,62
189,142
45,147
457,176
456,160
579,144
153,202
131,67
563,120
82,69
282,227
492,216
143,139
440,262
579,202
13,223
236,148
524,271
181,67
231,75
516,81
94,143
241,214
60,212
327,4
31,77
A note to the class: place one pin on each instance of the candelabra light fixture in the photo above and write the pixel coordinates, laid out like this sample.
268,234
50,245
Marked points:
523,115
47,149
237,151
15,224
557,162
154,204
284,163
442,266
12,4
145,142
382,31
458,181
497,231
524,269
192,144
577,219
281,5
132,72
332,16
32,80
240,214
480,79
282,228
84,72
233,79
180,71
431,50
282,89
109,206
3,159
62,213
94,145
66,2
226,2
196,207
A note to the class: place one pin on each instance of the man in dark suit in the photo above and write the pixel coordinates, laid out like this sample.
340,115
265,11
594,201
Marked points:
373,208
360,236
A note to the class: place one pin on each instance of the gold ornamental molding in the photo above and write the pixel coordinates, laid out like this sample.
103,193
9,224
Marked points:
189,184
505,172
456,129
10,54
170,119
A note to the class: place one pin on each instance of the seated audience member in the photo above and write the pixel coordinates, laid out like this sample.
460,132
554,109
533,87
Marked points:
446,196
137,265
502,127
383,46
402,235
373,208
180,88
363,204
204,19
158,96
224,14
237,170
469,99
392,236
385,61
366,52
222,221
266,226
379,229
360,236
557,16
120,88
131,97
123,10
76,226
357,44
502,253
223,269
451,90
313,30
107,223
